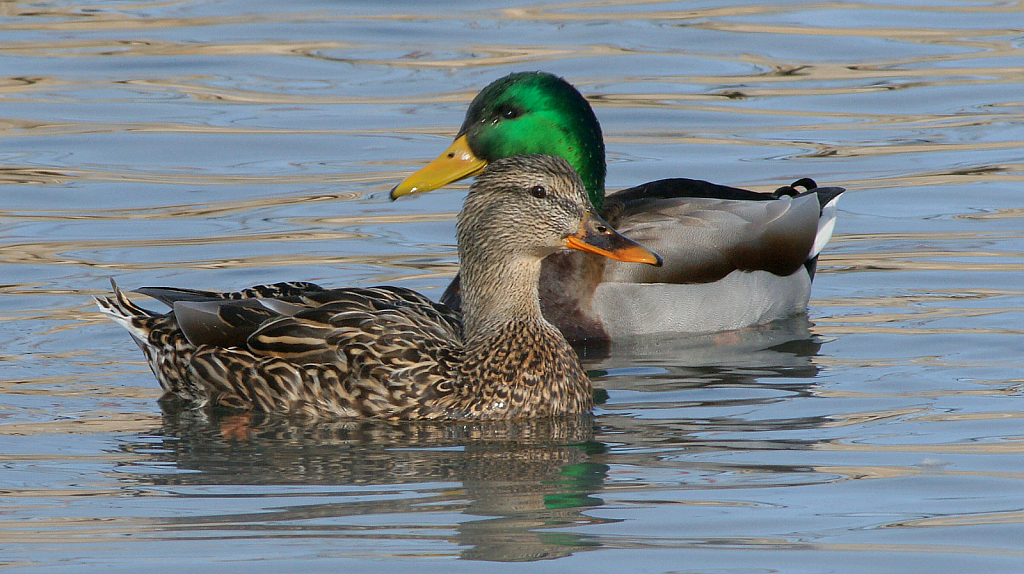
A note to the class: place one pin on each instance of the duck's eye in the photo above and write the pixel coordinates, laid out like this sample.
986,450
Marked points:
508,113
539,191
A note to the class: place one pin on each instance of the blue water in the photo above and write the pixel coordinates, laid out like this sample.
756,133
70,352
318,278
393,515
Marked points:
222,144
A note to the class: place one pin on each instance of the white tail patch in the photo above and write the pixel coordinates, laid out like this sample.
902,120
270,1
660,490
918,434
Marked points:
826,225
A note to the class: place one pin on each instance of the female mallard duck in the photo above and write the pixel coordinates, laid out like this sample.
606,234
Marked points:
733,258
389,352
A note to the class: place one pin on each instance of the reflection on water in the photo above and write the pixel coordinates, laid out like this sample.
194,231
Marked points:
521,478
496,491
525,480
220,145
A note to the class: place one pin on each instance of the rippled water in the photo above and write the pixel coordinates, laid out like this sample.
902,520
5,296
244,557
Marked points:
222,144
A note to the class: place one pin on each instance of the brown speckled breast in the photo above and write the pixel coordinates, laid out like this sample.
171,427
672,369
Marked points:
522,369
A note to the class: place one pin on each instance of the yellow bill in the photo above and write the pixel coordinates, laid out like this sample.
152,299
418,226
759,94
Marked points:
457,162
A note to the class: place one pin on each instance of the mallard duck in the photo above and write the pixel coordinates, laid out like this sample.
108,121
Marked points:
733,258
389,352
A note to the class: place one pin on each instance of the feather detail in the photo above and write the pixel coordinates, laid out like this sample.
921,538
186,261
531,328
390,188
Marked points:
388,352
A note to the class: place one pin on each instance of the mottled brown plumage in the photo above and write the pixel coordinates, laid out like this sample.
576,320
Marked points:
388,352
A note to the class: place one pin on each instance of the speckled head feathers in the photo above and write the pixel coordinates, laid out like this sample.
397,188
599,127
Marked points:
527,203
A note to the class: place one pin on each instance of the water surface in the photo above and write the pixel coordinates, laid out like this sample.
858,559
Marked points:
223,144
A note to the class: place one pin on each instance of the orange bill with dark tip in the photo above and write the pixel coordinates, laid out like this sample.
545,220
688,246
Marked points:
596,236
457,162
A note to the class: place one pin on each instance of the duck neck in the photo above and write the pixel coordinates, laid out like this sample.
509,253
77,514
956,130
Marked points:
515,363
497,291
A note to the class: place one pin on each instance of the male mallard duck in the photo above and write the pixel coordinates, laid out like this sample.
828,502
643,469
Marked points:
388,352
733,258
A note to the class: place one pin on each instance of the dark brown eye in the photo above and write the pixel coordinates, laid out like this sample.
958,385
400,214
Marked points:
539,191
509,112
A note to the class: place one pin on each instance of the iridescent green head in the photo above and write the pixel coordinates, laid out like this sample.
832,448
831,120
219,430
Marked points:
522,113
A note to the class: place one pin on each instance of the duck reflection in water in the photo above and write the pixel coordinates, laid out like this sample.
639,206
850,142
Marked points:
513,490
526,476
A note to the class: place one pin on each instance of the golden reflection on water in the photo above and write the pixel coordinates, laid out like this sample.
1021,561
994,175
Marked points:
71,385
211,209
54,254
1002,447
97,422
26,88
885,472
963,520
23,175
